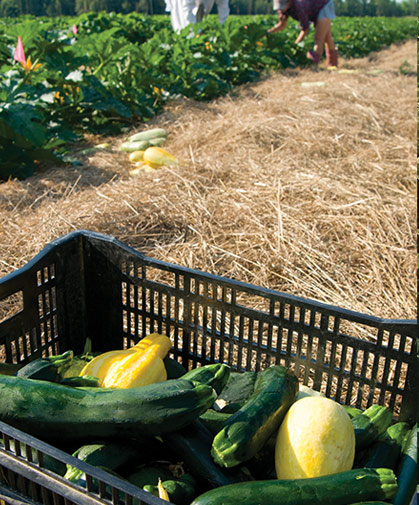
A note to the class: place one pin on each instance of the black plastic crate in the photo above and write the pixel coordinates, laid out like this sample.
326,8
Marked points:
91,285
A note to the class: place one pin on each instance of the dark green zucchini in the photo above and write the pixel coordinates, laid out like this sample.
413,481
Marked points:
81,381
55,412
47,369
214,421
174,369
149,474
215,375
407,471
370,425
181,491
262,465
111,455
385,452
192,445
238,390
337,489
245,433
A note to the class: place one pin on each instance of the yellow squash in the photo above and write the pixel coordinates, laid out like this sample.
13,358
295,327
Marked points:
100,365
315,438
157,157
136,156
163,494
140,368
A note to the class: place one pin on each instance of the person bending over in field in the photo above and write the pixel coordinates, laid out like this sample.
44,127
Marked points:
321,13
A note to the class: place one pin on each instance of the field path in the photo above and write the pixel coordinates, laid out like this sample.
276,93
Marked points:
304,181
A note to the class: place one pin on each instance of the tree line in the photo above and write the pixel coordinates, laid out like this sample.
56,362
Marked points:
14,8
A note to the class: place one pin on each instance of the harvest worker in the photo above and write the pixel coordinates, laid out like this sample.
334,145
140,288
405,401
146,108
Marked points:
186,12
204,7
321,13
181,13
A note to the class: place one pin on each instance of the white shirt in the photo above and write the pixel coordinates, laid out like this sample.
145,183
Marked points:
184,12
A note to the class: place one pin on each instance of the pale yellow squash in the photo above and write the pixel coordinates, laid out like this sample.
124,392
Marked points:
157,157
315,438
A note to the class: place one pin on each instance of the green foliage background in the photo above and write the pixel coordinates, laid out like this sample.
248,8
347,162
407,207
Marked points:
121,69
14,8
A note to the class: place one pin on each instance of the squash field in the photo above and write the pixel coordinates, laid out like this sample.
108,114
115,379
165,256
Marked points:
117,70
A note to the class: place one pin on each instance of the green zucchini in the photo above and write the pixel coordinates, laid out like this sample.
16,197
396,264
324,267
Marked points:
352,411
150,134
181,491
214,421
47,369
55,412
149,475
77,364
238,390
370,425
192,445
407,471
215,375
111,455
385,452
337,489
137,145
81,381
370,503
245,433
174,369
158,141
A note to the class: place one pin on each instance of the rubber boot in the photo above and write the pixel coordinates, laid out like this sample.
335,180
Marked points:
313,56
332,57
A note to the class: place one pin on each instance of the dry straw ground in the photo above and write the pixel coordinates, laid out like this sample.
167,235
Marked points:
310,190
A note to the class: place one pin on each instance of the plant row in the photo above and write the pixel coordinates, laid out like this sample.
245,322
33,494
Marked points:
97,73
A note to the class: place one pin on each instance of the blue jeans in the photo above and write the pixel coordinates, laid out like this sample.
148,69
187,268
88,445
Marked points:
328,11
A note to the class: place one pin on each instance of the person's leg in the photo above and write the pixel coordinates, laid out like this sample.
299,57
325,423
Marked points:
223,10
331,50
199,10
323,28
330,43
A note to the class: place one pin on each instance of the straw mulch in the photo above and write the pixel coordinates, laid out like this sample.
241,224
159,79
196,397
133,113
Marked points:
310,190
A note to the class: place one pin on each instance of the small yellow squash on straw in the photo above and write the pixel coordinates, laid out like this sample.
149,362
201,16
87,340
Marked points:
136,156
157,157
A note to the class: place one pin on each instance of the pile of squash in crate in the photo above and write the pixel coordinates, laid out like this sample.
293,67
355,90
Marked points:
210,436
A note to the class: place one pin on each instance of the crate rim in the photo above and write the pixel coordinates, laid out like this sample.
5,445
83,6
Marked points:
261,291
